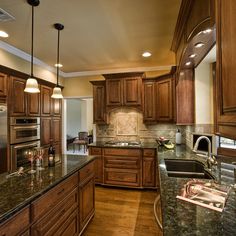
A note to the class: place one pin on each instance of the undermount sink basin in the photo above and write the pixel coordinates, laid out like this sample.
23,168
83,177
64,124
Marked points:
186,169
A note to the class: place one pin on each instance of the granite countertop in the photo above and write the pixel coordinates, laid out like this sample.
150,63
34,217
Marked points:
17,192
184,218
142,145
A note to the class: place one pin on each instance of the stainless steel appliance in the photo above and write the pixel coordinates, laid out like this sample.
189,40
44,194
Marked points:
24,136
19,151
24,129
3,136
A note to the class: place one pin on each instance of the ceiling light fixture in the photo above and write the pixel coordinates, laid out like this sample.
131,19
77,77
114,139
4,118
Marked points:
57,90
146,54
207,31
32,83
199,45
188,63
58,65
3,34
192,55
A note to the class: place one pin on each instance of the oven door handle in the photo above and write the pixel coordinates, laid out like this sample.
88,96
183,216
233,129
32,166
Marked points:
26,127
25,145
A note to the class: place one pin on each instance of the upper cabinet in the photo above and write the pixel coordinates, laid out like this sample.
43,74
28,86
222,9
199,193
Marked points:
123,89
99,101
3,84
46,93
17,99
226,69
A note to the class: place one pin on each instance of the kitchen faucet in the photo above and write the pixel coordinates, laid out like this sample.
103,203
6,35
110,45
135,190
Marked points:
211,160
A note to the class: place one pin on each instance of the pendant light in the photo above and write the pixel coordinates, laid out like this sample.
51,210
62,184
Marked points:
57,90
32,83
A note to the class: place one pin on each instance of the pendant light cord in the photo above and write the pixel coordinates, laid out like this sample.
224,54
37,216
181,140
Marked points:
32,43
58,52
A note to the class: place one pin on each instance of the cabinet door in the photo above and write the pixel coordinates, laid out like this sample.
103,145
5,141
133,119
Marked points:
33,104
164,100
46,136
56,105
17,99
56,130
225,68
185,98
149,102
3,84
114,92
99,104
149,172
132,91
87,201
46,93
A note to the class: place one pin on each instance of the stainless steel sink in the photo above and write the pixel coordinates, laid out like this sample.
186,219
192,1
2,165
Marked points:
187,169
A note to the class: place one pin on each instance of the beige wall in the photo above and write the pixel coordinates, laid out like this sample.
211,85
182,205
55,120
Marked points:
9,60
204,94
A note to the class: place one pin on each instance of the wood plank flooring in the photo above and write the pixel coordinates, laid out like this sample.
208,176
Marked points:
123,212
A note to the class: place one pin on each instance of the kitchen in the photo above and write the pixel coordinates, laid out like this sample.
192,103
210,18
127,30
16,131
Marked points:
136,101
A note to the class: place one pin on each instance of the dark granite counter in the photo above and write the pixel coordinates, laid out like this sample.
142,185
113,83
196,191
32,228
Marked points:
17,192
143,145
183,218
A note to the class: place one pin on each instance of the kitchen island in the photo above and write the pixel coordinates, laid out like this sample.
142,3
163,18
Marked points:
184,218
57,200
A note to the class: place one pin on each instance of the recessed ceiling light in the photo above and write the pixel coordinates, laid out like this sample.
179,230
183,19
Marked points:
188,63
3,34
146,54
192,55
58,65
199,45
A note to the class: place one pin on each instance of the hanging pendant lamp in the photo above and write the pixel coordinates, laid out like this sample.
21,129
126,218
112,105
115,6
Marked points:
57,90
32,83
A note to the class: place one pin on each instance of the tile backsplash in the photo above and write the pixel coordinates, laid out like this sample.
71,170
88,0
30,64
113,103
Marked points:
127,124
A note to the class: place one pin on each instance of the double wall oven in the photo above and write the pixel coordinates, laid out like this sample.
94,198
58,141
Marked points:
24,136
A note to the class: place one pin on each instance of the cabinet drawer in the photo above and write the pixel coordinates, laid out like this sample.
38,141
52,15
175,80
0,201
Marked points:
122,162
122,177
95,151
16,224
86,171
56,217
122,152
149,152
53,196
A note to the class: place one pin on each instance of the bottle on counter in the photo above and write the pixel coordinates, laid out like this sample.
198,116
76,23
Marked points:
178,137
51,156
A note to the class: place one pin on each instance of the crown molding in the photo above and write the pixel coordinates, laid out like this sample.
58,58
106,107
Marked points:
27,57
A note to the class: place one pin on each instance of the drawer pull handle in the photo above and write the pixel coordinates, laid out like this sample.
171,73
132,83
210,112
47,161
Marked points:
60,192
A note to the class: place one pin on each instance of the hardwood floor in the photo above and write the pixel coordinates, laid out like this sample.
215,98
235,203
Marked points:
123,212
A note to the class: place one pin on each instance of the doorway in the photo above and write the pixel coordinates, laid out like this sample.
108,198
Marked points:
77,117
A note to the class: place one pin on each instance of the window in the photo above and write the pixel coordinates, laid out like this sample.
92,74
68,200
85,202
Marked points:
227,143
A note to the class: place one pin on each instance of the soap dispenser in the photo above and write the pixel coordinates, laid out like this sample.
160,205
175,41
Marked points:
178,137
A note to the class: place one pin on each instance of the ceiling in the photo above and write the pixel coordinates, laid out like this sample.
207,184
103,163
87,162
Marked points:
98,34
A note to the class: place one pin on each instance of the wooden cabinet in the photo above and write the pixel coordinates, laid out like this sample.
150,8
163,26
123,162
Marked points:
225,69
98,164
185,98
149,101
149,168
114,92
17,100
164,95
99,108
33,104
46,131
56,106
17,224
123,89
46,93
86,195
3,84
56,129
122,167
